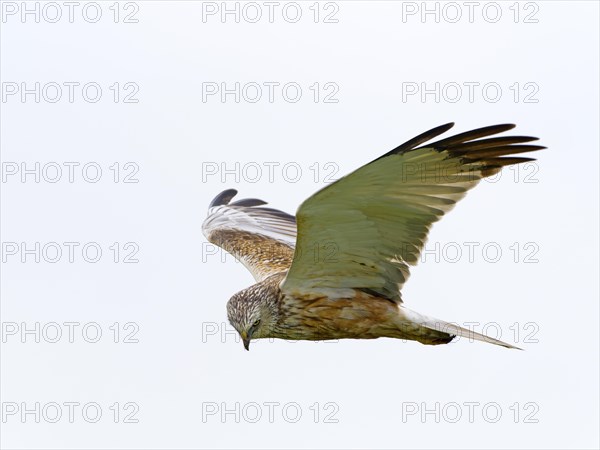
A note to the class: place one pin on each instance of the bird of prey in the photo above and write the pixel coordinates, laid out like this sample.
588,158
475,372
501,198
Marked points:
336,269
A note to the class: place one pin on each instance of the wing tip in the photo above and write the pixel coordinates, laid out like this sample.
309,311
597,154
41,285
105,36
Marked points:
223,198
422,140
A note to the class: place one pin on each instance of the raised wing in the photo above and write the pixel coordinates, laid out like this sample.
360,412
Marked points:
260,238
375,221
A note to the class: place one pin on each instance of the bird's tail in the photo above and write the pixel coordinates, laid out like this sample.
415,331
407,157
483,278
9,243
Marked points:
452,329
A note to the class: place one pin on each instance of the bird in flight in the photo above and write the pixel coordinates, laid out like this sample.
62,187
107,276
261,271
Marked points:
335,271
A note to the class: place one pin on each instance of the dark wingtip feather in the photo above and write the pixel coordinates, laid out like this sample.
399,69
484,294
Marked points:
223,198
249,202
494,152
481,144
423,137
494,165
418,140
467,136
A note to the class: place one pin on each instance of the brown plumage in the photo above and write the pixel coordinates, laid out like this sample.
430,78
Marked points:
374,223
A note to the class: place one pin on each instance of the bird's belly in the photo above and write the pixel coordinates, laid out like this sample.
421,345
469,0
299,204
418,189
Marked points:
361,317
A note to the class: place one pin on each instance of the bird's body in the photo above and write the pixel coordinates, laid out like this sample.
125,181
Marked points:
338,314
336,269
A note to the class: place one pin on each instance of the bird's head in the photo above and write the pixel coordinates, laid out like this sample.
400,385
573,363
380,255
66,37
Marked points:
253,313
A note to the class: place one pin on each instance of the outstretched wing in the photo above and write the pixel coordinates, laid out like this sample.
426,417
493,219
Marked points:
374,222
260,238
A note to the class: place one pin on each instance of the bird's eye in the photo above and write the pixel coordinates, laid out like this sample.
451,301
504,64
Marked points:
254,326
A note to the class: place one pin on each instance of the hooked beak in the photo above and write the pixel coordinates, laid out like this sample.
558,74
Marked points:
246,339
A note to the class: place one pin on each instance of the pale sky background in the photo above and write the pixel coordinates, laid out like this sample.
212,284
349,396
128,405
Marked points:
542,293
